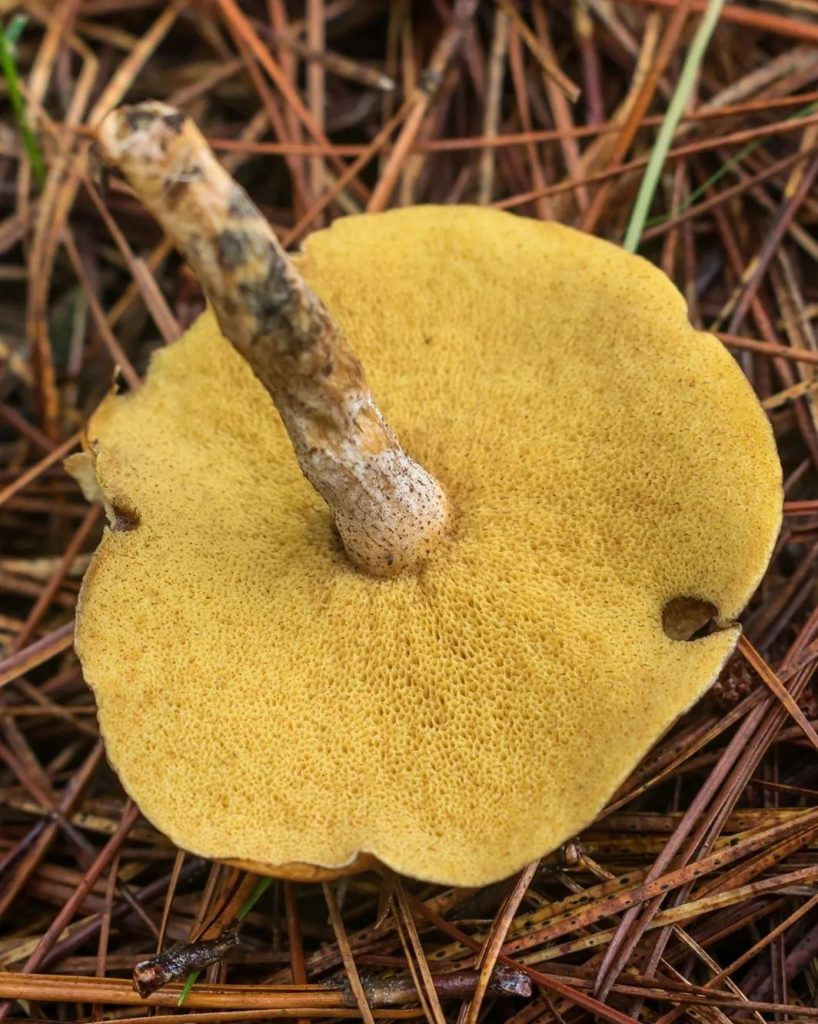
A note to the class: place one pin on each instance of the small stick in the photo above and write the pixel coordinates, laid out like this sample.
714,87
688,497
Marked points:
179,961
504,981
389,511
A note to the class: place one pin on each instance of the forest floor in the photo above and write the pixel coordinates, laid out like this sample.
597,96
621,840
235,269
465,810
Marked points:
322,109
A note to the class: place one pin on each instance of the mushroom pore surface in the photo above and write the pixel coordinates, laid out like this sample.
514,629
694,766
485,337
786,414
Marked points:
263,700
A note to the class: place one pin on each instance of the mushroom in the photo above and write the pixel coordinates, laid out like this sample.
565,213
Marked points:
449,652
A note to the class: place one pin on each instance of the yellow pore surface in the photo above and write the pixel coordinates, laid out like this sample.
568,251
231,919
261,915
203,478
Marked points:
263,700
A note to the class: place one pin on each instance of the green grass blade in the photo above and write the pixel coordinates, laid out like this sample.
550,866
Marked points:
261,886
15,29
8,67
190,981
653,171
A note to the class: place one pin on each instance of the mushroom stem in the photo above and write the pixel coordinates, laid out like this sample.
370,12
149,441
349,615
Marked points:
389,511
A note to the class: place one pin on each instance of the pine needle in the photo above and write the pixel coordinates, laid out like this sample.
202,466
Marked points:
725,168
690,70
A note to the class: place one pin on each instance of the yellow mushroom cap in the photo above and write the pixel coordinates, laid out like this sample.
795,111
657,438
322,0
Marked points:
262,700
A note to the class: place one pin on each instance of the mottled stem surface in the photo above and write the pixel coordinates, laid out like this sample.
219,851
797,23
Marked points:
389,511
